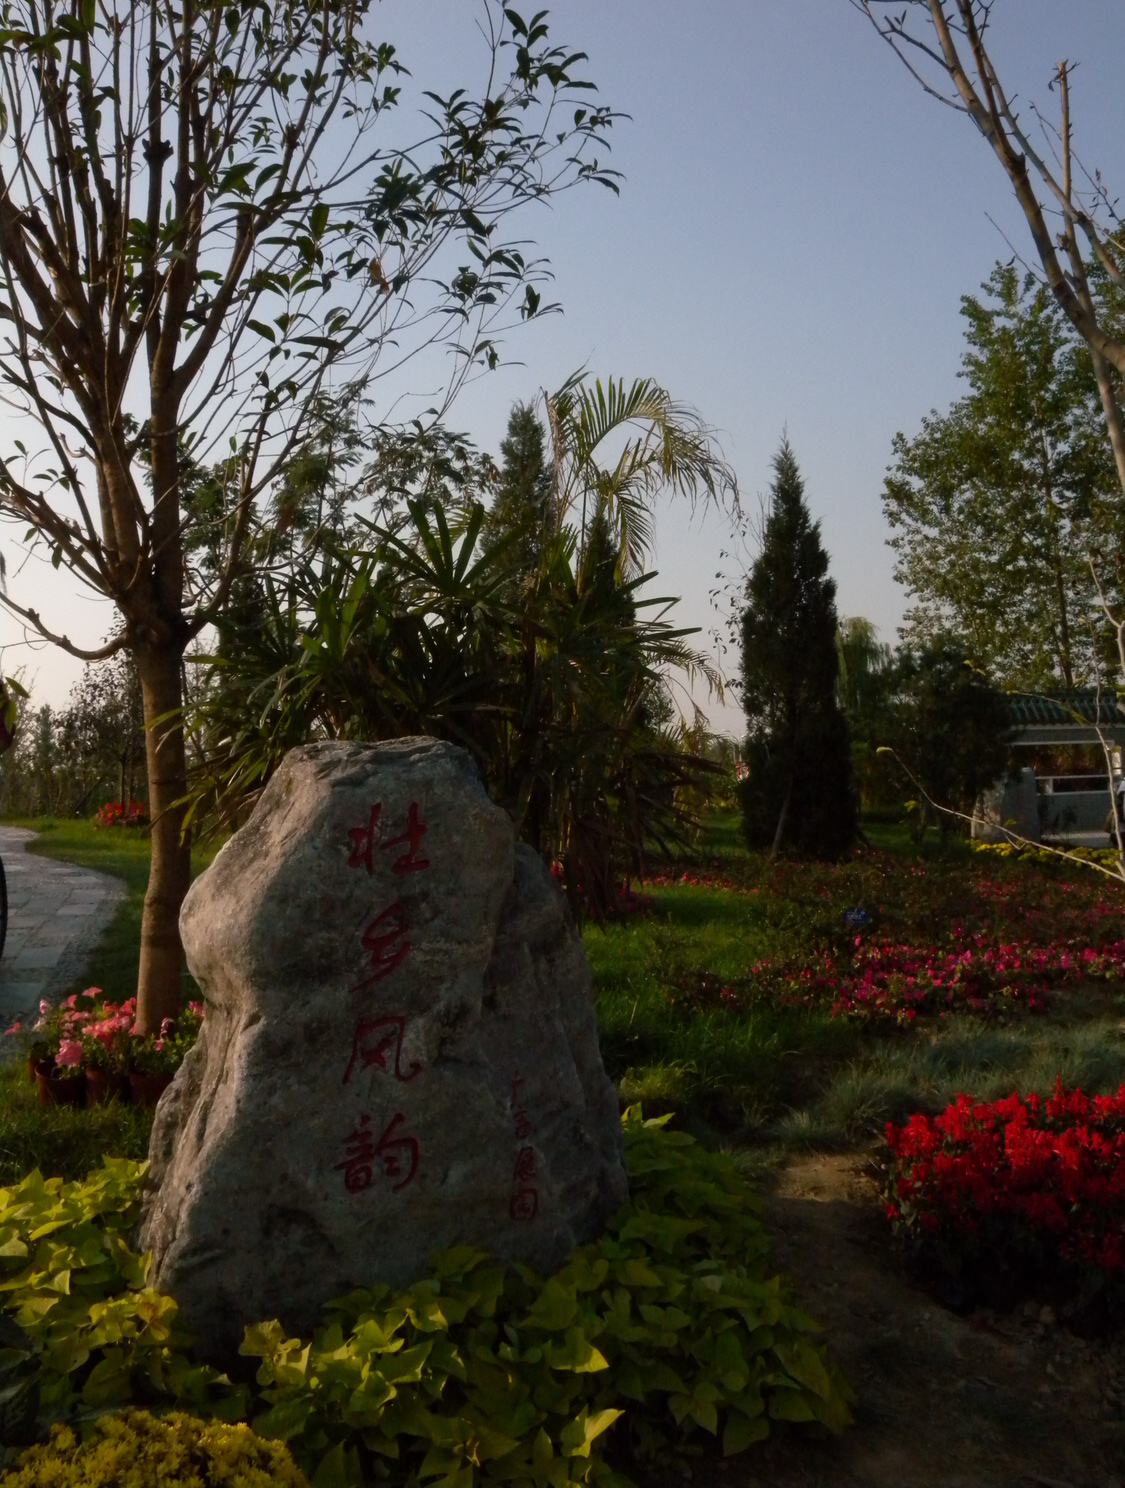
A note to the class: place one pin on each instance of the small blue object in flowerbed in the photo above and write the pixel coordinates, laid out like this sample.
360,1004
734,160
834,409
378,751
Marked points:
857,918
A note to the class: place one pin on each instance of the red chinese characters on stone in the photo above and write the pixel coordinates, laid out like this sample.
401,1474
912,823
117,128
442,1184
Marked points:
374,1039
398,1154
385,939
365,840
523,1205
372,1042
359,1165
525,1165
392,1150
409,861
362,839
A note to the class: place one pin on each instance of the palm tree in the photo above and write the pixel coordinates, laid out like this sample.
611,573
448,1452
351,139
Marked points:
661,445
556,684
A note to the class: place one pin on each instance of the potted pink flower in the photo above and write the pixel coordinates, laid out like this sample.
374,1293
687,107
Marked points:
155,1060
50,1030
56,1056
107,1052
62,1080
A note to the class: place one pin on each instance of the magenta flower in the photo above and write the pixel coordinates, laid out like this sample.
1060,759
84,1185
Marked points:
70,1053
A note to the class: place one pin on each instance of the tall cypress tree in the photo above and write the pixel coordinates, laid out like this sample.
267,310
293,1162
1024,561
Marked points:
520,507
798,791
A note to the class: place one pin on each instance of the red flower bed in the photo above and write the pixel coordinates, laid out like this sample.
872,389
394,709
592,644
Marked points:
1014,1197
113,814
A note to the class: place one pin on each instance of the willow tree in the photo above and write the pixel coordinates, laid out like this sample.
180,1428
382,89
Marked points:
210,218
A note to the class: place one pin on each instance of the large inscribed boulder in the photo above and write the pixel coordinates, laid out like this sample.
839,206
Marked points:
399,1052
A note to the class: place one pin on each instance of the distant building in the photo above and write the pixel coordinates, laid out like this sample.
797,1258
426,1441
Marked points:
1061,788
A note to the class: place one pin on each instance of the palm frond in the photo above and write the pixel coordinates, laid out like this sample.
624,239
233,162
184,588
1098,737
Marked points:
665,446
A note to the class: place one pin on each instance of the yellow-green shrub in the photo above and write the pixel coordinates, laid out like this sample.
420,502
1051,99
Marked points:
669,1325
1029,852
484,1375
100,1337
137,1450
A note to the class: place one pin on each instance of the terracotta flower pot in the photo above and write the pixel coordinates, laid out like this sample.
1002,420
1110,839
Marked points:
147,1089
102,1086
59,1090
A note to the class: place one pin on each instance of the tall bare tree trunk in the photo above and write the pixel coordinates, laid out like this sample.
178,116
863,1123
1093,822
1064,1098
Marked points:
781,820
158,979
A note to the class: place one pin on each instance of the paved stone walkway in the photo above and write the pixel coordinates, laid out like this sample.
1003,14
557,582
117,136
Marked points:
56,913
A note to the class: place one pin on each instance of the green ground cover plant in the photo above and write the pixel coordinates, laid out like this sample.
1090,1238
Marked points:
667,1328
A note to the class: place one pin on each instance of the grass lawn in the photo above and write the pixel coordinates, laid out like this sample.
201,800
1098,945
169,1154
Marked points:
686,1024
787,1011
689,1024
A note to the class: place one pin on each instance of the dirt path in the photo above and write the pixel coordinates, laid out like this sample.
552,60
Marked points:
987,1401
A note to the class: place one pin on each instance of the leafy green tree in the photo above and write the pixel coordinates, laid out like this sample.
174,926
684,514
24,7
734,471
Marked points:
661,446
211,218
68,760
798,790
951,729
998,505
102,731
864,665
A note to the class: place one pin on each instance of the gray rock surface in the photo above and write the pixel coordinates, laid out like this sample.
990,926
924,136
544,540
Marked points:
399,1052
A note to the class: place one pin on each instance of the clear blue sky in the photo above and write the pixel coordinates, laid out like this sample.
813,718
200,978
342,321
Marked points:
796,225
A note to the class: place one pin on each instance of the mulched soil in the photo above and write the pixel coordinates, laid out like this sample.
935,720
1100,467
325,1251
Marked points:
985,1401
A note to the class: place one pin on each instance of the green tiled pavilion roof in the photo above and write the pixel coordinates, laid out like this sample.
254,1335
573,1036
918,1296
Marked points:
1027,710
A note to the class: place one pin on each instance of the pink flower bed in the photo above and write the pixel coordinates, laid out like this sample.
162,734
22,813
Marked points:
86,1032
888,939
